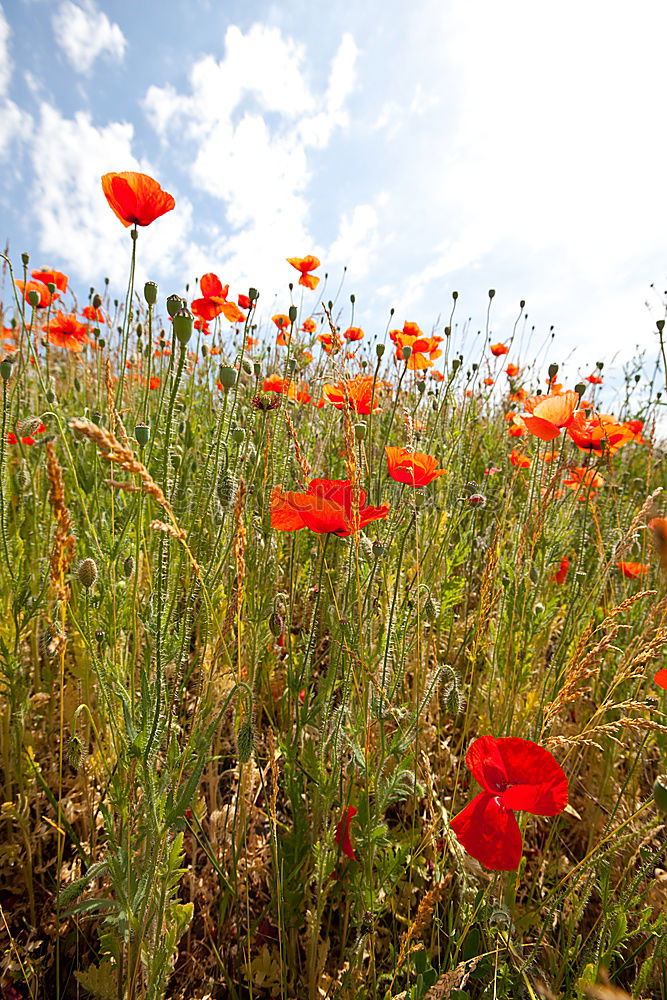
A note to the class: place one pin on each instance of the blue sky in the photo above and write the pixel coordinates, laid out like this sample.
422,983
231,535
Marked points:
429,146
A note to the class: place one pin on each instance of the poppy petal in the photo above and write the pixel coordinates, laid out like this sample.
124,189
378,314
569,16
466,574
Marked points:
538,782
489,833
486,765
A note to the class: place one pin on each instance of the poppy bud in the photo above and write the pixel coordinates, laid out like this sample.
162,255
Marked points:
103,343
97,301
276,624
128,566
378,549
204,351
406,352
660,792
522,304
379,350
431,608
360,431
25,258
238,435
245,742
182,323
227,377
599,365
140,329
150,293
33,298
5,370
88,573
257,369
74,752
580,389
50,395
176,461
456,364
455,295
141,434
492,292
227,487
174,303
253,294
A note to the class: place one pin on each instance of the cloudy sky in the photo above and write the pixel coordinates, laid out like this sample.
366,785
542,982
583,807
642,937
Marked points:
426,146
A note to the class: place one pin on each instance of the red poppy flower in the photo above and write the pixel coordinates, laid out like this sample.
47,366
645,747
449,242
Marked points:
274,383
202,325
516,431
512,370
327,342
214,301
498,350
515,774
661,678
354,333
438,376
67,331
582,478
306,264
309,326
425,350
414,468
594,379
93,315
601,433
27,439
520,460
658,526
342,835
136,199
326,507
561,573
636,427
50,277
355,393
489,381
632,570
244,302
45,297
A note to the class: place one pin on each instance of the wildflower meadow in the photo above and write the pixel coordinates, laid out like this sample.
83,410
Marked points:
332,660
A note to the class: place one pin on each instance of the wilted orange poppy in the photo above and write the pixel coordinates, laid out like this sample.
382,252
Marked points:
136,199
354,333
519,459
50,277
512,370
304,265
548,414
67,331
498,350
327,507
355,393
632,570
414,468
45,297
581,478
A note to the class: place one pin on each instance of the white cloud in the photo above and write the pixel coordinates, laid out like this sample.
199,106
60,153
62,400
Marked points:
75,224
357,242
15,124
251,120
84,33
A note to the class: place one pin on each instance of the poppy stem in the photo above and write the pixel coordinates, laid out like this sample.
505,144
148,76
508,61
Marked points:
125,336
3,441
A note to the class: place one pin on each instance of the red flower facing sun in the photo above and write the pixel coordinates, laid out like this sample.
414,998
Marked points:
136,199
515,774
414,468
327,507
357,393
214,301
305,265
65,330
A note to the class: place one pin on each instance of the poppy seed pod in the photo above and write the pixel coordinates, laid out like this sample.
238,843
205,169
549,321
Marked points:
51,287
360,431
660,792
227,376
253,294
291,312
660,325
25,259
141,434
5,370
150,293
88,573
580,389
97,301
174,303
553,371
257,369
378,549
33,298
406,352
183,321
379,350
